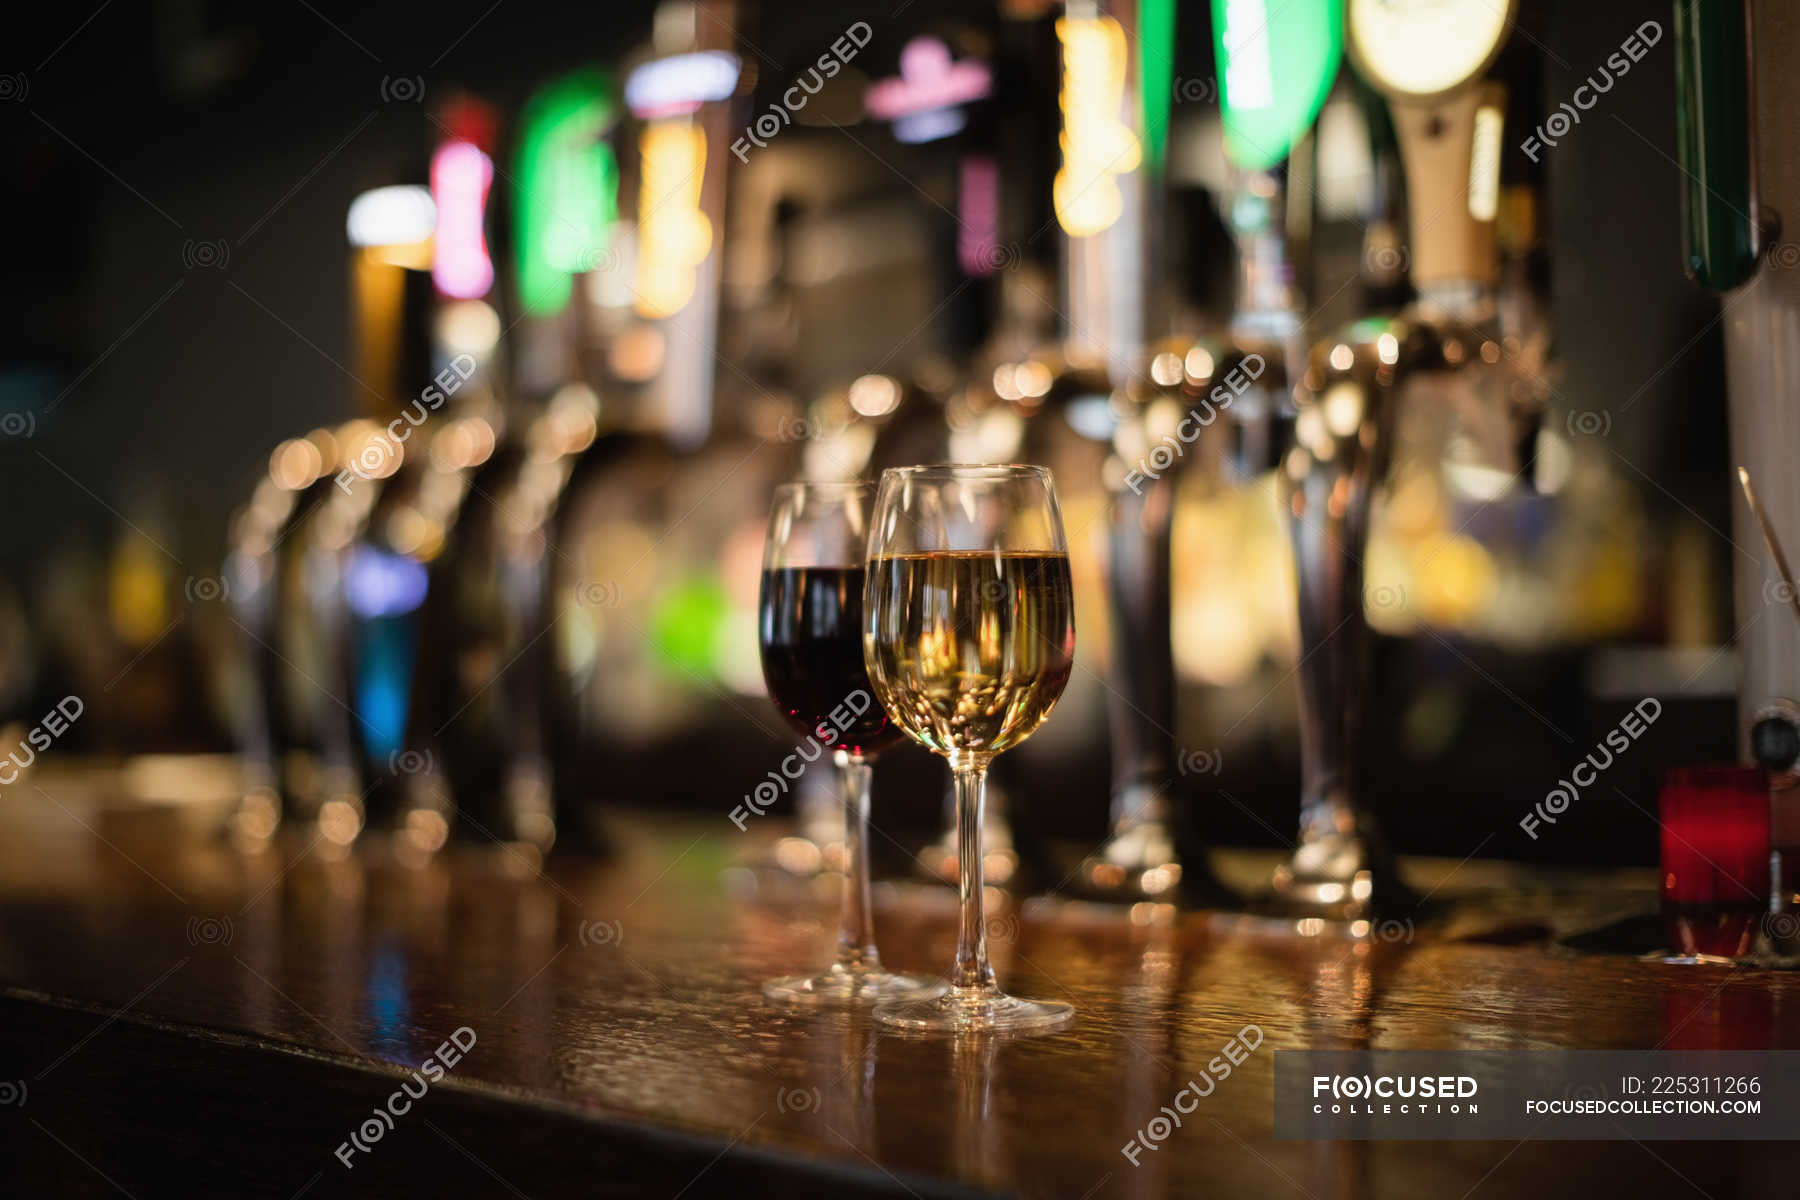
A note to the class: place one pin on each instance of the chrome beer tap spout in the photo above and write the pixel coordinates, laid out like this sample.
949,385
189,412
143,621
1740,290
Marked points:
1185,422
1425,391
1342,445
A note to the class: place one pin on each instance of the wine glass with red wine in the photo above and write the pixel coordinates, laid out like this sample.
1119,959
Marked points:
810,632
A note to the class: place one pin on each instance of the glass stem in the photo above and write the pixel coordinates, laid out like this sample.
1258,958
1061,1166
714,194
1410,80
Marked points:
856,930
971,969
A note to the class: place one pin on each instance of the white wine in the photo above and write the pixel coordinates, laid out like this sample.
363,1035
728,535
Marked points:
969,651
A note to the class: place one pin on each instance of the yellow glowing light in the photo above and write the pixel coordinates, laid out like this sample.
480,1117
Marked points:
138,597
636,354
1097,146
295,463
1484,164
1342,357
1387,349
370,450
1032,378
339,821
1165,369
674,236
1456,578
1199,364
874,395
408,530
469,327
1426,49
1005,386
575,413
1343,406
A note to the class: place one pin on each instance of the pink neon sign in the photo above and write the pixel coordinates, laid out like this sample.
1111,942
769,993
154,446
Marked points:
460,177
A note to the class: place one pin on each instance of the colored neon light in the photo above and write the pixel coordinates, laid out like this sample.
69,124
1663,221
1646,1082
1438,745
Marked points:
1484,164
460,177
1097,145
681,83
978,221
1278,61
1156,74
932,125
391,216
674,235
929,79
567,190
378,583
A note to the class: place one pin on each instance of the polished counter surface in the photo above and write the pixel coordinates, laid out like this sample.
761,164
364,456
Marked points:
180,1018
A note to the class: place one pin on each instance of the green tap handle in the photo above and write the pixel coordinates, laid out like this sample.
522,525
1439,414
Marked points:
1720,238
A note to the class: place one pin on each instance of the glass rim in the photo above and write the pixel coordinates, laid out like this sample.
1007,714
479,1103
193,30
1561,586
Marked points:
798,486
969,471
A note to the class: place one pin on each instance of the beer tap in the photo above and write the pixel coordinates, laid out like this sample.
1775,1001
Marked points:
1425,387
1740,194
1209,409
286,562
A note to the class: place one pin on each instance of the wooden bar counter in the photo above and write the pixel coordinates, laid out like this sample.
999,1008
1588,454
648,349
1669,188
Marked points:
180,1019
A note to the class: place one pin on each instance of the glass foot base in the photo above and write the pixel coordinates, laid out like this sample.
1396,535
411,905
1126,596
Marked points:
975,1010
850,987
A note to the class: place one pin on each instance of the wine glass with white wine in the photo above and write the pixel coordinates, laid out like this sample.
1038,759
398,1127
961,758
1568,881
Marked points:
969,638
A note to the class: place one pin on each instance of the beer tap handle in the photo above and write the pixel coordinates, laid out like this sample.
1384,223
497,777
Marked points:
1141,698
1341,867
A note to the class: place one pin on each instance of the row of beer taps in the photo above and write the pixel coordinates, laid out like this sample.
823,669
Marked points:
460,540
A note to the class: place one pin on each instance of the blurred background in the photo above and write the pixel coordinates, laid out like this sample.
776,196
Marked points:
195,323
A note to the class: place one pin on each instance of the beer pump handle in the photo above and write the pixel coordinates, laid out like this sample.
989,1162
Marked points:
1450,145
1714,131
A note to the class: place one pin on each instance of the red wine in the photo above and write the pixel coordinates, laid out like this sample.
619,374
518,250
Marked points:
812,658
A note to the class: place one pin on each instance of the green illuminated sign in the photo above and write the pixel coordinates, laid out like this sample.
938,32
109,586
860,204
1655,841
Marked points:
1156,75
1277,60
567,187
